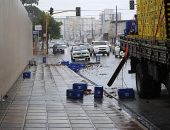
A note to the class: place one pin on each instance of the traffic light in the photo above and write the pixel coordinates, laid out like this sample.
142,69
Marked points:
51,11
78,11
132,5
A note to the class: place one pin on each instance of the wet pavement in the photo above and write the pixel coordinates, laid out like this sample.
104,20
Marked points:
153,113
40,103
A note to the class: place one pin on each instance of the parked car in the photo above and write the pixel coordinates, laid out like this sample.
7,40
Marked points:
80,53
99,47
108,43
59,48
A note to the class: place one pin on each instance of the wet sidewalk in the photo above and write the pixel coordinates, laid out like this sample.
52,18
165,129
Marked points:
40,103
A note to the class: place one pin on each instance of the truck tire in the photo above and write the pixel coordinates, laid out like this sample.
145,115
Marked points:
156,88
168,84
143,83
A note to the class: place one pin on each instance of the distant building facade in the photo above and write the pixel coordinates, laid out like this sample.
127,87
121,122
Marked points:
79,29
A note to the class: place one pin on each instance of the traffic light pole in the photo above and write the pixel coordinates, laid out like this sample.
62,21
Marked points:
46,32
63,11
47,17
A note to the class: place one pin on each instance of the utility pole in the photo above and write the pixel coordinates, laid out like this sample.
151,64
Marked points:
116,26
46,32
92,29
83,30
64,29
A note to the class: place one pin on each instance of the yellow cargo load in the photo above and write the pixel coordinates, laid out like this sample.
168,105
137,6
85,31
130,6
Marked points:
154,19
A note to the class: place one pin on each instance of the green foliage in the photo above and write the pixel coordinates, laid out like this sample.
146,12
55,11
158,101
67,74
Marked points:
54,28
40,19
29,2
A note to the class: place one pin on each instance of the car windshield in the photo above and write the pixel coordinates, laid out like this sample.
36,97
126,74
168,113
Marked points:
60,45
79,48
99,43
87,44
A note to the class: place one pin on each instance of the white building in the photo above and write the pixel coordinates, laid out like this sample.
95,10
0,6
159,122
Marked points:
107,18
79,29
110,15
87,29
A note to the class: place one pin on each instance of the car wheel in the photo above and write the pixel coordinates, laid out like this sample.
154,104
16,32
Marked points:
72,59
108,54
87,59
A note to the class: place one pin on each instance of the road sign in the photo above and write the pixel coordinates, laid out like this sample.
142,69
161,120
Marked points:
38,27
34,32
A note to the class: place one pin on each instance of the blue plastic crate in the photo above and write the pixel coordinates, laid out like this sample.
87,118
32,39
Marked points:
73,64
98,92
126,93
26,75
81,65
65,63
44,59
75,69
80,86
74,94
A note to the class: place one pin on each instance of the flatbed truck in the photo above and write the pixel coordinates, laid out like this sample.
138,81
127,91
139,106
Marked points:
149,48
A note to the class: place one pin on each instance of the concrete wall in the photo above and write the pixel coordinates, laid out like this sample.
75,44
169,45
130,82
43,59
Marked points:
15,42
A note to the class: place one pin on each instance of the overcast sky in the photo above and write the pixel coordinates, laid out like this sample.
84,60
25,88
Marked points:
97,6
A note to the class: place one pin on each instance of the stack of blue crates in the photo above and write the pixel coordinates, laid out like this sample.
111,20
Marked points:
74,66
98,92
80,86
126,93
77,92
74,94
27,75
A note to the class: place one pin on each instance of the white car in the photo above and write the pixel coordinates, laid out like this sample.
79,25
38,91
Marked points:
110,46
80,53
100,47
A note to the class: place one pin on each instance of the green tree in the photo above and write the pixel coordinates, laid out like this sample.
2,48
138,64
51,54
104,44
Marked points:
29,2
39,18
